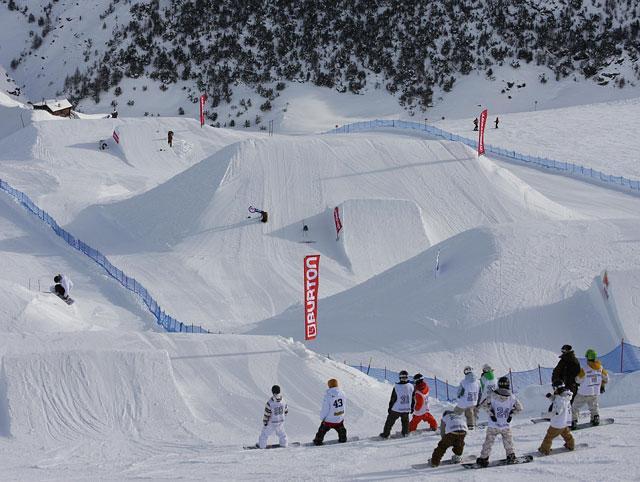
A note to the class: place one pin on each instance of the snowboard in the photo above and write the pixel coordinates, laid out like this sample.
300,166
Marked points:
523,459
467,459
271,446
560,450
416,432
68,300
331,442
540,419
603,421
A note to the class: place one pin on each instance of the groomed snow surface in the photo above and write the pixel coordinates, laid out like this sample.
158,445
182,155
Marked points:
94,391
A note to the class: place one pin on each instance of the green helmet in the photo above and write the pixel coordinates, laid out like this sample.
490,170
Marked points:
591,355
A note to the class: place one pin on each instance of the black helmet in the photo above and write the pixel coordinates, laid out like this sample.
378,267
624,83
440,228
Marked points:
418,378
567,348
57,278
275,389
503,382
403,376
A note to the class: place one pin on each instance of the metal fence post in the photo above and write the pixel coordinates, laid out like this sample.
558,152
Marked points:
446,384
511,379
622,356
540,374
436,384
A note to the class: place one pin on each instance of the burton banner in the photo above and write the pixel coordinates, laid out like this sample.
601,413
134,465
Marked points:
311,279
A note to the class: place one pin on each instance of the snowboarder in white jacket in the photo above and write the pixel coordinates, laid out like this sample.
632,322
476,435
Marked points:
468,396
591,381
62,286
560,420
332,415
400,405
453,430
275,411
488,383
502,404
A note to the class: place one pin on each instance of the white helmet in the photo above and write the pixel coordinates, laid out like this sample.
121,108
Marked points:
486,368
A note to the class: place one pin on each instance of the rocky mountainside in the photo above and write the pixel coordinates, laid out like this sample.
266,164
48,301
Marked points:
409,48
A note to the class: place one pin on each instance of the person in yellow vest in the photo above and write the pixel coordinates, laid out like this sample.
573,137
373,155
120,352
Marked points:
591,381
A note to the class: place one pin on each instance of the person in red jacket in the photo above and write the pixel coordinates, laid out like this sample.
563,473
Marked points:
421,408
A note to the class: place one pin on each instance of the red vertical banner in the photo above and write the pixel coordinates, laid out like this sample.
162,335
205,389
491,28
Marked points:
311,279
116,137
483,123
203,99
336,218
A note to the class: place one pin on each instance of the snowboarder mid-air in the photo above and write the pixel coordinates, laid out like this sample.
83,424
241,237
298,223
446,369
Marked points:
400,405
332,415
591,380
421,405
560,420
62,286
468,396
502,404
275,412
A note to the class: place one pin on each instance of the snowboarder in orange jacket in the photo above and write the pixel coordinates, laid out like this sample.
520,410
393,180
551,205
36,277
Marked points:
421,409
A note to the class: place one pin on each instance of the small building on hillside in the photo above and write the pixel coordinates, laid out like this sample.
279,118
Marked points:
59,107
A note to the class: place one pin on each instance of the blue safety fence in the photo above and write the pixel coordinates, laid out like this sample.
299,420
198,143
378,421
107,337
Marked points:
561,167
166,321
625,358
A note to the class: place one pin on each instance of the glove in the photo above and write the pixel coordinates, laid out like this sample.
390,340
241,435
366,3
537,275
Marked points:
550,408
601,388
548,395
265,423
493,418
509,417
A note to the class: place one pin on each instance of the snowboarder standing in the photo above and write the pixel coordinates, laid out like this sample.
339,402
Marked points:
488,384
468,396
502,404
275,412
566,371
400,405
332,415
560,420
170,138
421,405
62,286
453,430
497,122
591,380
475,124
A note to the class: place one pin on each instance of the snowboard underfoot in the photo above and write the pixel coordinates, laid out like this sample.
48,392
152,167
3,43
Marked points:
560,450
271,446
467,459
603,421
523,459
416,432
331,442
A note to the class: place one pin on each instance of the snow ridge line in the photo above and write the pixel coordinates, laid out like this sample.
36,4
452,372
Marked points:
169,323
583,173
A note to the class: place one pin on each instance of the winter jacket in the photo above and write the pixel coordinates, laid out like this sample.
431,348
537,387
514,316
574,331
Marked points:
333,406
566,371
421,396
402,405
592,378
275,410
561,409
502,405
468,391
452,422
66,283
488,384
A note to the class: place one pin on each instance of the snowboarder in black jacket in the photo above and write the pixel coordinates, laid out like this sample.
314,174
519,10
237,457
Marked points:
566,371
400,405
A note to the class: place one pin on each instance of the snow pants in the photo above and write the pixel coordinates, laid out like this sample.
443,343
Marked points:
470,413
565,433
427,417
453,439
325,427
391,419
59,290
492,433
590,400
270,429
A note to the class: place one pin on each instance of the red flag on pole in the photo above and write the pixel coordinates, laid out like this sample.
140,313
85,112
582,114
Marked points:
311,279
483,122
203,99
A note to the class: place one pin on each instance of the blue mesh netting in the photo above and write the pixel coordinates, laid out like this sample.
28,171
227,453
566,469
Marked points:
166,321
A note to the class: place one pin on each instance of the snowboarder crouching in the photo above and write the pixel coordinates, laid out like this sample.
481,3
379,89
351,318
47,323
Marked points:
62,286
400,405
591,380
332,415
275,411
502,404
453,430
560,420
421,405
468,396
